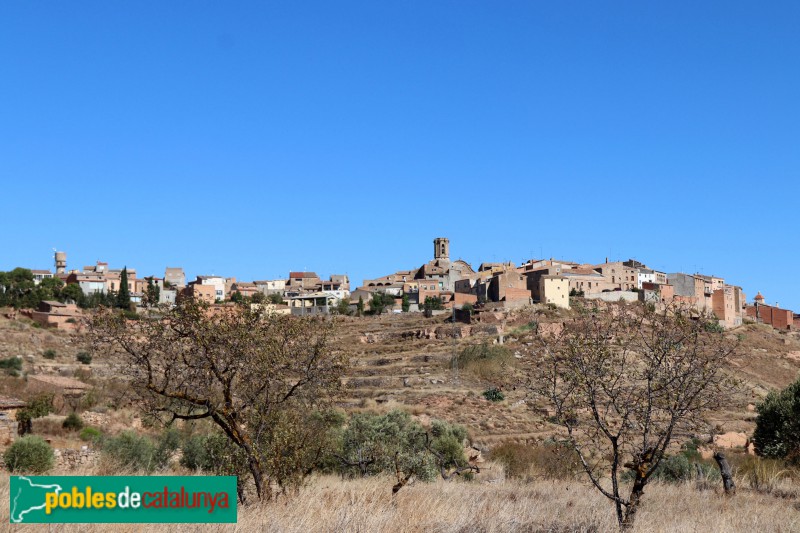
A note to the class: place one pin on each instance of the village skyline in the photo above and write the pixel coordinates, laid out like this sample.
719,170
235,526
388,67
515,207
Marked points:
444,282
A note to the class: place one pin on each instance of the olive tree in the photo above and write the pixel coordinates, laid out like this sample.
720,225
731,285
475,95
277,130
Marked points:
264,380
625,380
395,443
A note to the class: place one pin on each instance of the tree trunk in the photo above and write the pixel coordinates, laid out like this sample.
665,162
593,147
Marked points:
725,472
400,484
262,490
635,499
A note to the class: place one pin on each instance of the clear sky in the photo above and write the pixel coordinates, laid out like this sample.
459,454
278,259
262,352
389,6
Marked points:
252,138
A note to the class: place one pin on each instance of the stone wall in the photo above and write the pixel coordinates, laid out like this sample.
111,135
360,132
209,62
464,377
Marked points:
71,459
8,428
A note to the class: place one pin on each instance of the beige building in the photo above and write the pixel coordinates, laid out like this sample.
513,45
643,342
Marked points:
206,293
554,290
175,277
623,275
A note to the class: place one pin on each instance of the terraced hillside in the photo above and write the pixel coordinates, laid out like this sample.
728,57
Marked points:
405,361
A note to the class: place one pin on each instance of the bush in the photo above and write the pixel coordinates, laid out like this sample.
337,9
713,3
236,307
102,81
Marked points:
763,475
494,395
49,354
433,303
37,407
372,444
84,358
30,454
549,460
381,301
73,422
674,469
777,433
11,365
213,454
484,360
137,452
90,434
14,363
713,326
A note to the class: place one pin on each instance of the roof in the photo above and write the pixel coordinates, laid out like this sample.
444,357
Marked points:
573,273
60,381
296,275
53,303
96,279
7,402
41,271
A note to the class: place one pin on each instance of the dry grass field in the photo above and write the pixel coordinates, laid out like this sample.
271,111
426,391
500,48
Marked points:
497,505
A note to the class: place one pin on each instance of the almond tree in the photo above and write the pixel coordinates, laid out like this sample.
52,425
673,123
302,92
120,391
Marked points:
264,380
624,381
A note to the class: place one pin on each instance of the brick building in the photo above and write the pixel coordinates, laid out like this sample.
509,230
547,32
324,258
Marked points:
768,314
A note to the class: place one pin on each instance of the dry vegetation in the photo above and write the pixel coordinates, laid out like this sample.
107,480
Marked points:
494,505
405,361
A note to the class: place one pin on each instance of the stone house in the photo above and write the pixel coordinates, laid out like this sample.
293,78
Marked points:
8,419
302,281
67,392
207,293
175,277
272,286
57,315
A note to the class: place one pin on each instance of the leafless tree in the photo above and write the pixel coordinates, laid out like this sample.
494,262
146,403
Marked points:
624,381
262,379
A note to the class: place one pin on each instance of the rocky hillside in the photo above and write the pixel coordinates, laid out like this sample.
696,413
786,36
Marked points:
405,361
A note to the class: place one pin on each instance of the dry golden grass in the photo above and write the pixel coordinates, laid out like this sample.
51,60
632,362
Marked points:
331,504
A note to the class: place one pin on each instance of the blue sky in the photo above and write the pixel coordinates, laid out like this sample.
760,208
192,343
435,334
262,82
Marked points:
253,138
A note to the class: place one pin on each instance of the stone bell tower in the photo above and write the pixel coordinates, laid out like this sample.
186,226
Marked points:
441,249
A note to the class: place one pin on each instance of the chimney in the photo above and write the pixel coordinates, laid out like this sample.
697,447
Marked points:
606,259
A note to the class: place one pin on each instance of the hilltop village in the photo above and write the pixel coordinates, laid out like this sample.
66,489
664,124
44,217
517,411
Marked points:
441,284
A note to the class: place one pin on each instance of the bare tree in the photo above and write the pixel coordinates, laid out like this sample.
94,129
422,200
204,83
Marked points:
264,380
624,381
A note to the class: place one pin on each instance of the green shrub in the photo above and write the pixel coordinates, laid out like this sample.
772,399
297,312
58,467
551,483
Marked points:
90,434
372,444
433,303
494,395
84,358
194,454
777,433
713,326
29,454
73,422
137,452
37,407
14,363
49,354
674,469
11,365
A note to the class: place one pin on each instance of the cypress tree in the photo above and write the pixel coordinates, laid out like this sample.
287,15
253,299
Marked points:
124,295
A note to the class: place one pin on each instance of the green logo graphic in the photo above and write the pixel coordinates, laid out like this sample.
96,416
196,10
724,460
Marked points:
122,499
